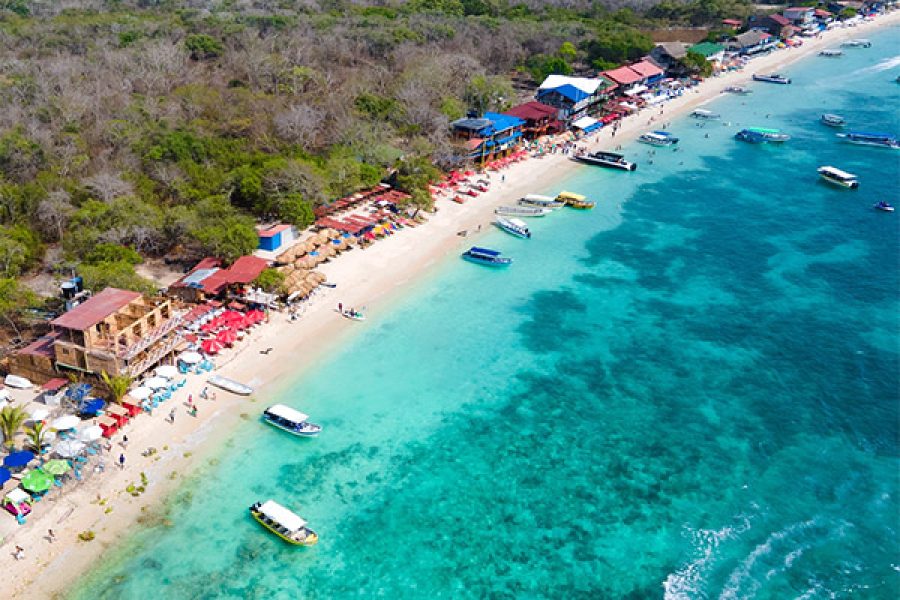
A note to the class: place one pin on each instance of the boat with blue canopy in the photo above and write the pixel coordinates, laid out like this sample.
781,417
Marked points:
486,256
760,135
862,138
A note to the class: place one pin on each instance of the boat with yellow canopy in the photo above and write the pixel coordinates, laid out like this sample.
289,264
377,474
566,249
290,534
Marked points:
575,200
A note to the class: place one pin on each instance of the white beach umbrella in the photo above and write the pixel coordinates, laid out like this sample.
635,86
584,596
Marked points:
91,434
157,383
69,448
167,371
39,413
66,422
140,393
190,358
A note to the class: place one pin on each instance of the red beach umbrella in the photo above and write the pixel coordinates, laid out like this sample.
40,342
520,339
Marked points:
211,346
232,316
207,327
217,322
257,315
227,337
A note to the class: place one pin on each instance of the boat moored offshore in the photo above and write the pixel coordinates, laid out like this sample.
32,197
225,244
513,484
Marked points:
606,159
290,420
737,89
881,140
575,200
702,113
835,53
486,256
522,211
833,120
536,200
513,226
284,523
882,205
760,135
658,138
772,78
838,177
858,43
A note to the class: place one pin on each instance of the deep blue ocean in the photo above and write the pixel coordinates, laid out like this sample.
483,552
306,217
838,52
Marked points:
689,392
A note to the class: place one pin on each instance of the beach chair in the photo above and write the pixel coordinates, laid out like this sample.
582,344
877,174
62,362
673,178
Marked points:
182,383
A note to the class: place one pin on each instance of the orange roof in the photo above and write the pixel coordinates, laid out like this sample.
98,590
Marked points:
646,69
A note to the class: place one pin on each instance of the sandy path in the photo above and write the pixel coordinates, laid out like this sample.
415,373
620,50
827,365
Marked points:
364,278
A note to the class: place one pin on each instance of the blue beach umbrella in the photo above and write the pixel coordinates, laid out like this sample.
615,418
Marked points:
18,459
5,475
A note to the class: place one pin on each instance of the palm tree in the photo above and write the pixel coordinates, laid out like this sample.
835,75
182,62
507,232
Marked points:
117,385
36,434
11,419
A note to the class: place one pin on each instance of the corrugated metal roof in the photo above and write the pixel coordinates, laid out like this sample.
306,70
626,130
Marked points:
272,231
623,75
246,269
197,276
43,346
89,313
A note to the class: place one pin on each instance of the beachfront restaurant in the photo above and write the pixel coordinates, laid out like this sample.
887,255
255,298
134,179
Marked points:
574,96
209,280
752,42
490,137
540,119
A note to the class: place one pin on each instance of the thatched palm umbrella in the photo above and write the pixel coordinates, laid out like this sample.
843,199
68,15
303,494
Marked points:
317,276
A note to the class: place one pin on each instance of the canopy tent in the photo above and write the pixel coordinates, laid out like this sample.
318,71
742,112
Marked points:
18,459
587,124
167,371
17,496
92,406
636,90
141,393
37,481
288,413
65,422
190,358
5,475
157,383
91,434
56,467
68,448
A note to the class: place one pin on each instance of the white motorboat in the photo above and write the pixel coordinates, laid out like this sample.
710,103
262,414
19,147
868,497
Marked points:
831,53
21,383
658,138
230,385
860,43
522,211
290,420
880,140
738,89
606,159
513,226
540,201
702,113
284,523
838,177
833,120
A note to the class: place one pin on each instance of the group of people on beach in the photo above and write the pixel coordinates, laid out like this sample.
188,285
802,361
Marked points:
350,312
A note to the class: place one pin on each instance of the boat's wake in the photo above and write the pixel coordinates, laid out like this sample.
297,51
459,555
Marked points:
884,65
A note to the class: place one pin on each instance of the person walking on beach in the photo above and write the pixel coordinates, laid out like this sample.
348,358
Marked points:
124,442
50,535
122,461
172,416
341,307
194,411
19,554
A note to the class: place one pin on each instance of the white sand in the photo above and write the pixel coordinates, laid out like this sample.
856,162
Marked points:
364,278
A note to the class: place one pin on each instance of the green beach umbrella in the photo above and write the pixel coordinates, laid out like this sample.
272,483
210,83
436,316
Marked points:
56,467
37,481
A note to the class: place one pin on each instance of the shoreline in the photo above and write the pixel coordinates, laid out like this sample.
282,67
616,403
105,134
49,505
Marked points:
378,274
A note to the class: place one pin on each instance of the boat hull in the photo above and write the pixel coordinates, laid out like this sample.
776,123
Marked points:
230,385
513,231
311,540
596,162
292,431
849,185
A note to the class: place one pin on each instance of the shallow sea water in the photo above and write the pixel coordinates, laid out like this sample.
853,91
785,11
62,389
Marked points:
689,392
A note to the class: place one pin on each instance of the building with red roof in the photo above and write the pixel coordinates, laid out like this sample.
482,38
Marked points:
540,119
624,76
208,279
274,238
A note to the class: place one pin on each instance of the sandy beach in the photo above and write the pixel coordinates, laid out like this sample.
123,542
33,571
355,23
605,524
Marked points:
370,278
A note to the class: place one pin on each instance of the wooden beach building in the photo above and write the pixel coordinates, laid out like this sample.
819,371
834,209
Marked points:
489,137
575,97
540,119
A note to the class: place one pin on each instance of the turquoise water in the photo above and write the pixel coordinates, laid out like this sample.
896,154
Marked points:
689,392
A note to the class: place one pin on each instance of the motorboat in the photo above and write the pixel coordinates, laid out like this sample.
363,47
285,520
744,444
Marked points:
230,385
522,211
831,53
540,201
575,200
284,523
859,43
760,135
658,138
838,177
353,315
738,89
606,159
486,256
702,113
882,205
290,420
881,140
513,226
772,78
833,120
20,383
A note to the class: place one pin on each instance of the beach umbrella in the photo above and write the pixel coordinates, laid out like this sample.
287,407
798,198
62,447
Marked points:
208,327
37,481
211,346
91,434
232,316
69,448
140,393
190,358
65,422
227,337
39,414
5,475
218,321
18,459
157,383
56,467
167,371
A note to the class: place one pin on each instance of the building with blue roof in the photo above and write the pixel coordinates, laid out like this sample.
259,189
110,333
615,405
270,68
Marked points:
489,137
575,97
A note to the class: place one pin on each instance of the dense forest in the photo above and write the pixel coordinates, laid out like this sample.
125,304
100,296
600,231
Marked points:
138,128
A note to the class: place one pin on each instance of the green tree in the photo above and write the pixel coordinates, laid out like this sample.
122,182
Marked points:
294,209
14,299
106,252
697,63
484,93
203,46
541,65
11,420
228,239
613,43
270,280
36,434
118,274
116,385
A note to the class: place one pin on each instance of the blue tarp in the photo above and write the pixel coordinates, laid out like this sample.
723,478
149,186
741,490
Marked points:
18,459
569,91
5,475
593,127
501,122
504,140
92,406
79,392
